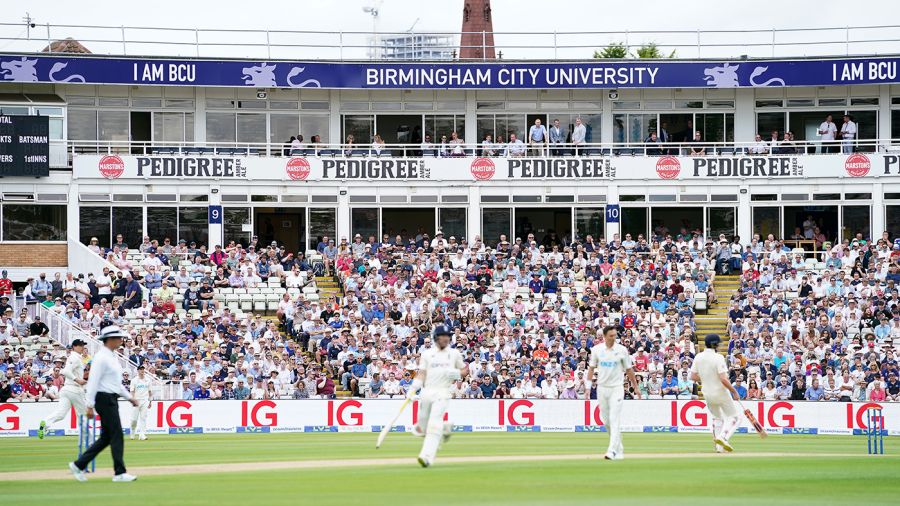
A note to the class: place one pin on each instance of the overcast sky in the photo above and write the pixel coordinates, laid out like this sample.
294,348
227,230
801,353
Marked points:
446,16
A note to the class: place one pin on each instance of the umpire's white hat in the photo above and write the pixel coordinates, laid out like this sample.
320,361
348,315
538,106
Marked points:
111,331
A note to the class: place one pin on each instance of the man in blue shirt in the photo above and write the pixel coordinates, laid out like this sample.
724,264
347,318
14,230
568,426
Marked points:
487,386
133,292
535,284
815,392
669,386
740,388
357,371
537,138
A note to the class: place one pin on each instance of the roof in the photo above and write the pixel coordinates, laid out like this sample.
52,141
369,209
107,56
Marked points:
67,45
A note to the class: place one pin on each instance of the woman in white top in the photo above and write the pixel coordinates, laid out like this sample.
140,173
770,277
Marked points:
769,393
378,144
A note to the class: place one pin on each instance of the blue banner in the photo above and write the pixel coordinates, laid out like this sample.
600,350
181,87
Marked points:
441,75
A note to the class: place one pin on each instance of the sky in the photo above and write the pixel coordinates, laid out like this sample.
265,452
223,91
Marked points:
525,16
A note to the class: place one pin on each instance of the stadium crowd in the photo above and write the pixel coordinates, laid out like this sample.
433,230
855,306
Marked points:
524,314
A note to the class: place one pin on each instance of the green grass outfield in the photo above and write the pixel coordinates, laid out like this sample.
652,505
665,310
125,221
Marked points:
814,469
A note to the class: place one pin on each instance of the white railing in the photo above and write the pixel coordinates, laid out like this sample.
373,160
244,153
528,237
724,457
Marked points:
470,149
357,45
65,332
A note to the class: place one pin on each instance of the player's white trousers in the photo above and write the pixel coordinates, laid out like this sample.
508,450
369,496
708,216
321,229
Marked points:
725,417
69,397
611,400
139,417
431,422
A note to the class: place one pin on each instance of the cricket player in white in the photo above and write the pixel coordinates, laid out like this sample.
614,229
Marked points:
140,390
710,370
439,367
611,362
71,395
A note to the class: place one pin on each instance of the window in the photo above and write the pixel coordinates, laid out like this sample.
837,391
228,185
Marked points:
30,222
720,220
856,220
173,127
220,127
363,222
634,221
251,128
234,220
361,127
311,125
768,121
589,222
766,220
113,125
82,125
494,223
452,222
128,221
322,222
94,222
192,225
162,223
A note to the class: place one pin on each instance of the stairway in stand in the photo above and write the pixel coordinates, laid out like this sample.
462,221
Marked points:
329,290
716,318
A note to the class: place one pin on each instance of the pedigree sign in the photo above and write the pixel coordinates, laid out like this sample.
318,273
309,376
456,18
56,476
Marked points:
479,170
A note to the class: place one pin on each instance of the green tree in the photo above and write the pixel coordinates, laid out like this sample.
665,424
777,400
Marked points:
614,50
651,50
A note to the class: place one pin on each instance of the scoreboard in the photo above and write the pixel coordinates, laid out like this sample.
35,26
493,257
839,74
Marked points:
24,146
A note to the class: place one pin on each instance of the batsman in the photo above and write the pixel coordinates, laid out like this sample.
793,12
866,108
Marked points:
439,367
709,368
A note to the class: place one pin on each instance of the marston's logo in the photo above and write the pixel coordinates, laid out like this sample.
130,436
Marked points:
857,165
297,169
483,169
111,167
668,167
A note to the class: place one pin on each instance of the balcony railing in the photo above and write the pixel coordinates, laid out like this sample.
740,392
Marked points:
249,149
367,45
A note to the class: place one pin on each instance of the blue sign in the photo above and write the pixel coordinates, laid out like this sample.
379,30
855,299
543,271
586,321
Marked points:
462,428
523,428
215,215
320,428
252,428
660,428
92,69
613,213
590,428
185,430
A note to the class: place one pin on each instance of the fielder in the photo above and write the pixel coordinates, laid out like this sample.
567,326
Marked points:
71,395
611,361
140,390
709,368
439,367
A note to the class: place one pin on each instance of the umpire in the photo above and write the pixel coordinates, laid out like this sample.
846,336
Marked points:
104,387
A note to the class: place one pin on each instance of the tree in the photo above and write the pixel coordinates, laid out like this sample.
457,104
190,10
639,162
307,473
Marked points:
618,50
614,50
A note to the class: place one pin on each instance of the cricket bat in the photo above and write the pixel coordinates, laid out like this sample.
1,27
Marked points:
387,428
754,422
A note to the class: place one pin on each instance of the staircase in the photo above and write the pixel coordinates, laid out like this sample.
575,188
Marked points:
716,318
328,288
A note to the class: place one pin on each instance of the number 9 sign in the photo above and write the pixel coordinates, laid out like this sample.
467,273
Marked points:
215,215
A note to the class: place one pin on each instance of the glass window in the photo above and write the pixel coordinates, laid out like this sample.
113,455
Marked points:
895,124
591,124
589,222
192,225
29,222
311,125
720,220
56,128
485,125
510,124
856,220
162,224
170,127
634,221
113,125
633,127
452,222
866,125
128,221
363,222
82,125
234,220
220,127
892,221
494,223
94,222
283,127
712,126
768,121
251,128
362,128
322,222
766,221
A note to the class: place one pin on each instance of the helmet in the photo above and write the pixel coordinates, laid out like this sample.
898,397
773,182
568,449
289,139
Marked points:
442,330
712,340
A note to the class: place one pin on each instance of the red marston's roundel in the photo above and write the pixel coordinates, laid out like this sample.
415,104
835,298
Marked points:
297,169
111,167
668,167
857,165
483,169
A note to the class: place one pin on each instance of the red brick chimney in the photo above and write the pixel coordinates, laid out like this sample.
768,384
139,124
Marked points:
477,19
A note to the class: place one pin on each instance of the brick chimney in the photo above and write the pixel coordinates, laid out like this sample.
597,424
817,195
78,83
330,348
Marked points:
477,19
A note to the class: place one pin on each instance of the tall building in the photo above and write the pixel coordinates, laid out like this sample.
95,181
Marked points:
477,40
416,46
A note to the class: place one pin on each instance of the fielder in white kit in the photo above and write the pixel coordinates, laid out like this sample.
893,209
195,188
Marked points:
439,367
709,368
140,390
71,395
611,362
